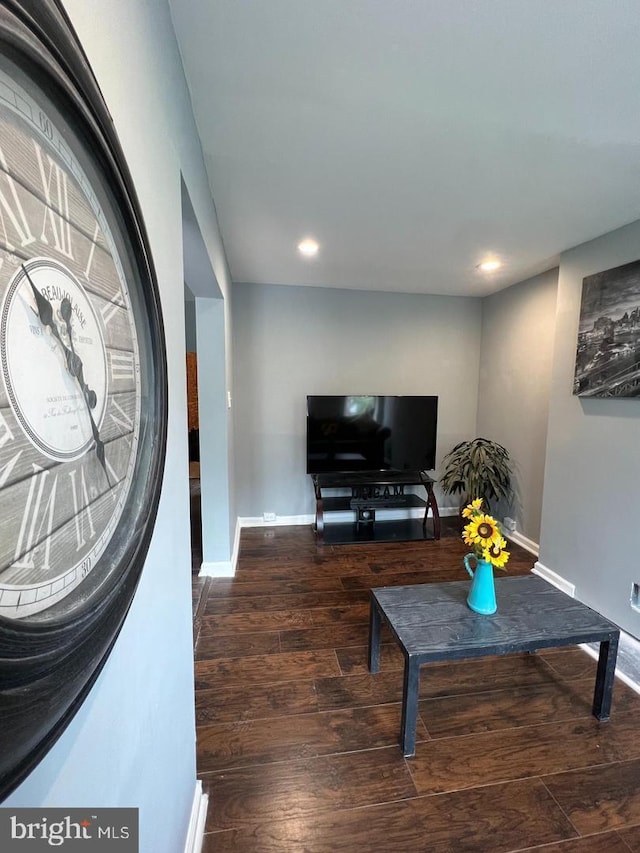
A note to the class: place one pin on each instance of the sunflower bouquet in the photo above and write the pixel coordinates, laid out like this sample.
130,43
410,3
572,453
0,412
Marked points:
483,535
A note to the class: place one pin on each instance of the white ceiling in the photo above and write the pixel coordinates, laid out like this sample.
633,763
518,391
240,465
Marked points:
412,138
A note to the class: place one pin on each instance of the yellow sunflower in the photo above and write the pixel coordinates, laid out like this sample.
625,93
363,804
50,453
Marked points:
467,539
481,530
496,554
472,508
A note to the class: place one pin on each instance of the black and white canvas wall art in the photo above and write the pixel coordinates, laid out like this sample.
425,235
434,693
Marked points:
608,351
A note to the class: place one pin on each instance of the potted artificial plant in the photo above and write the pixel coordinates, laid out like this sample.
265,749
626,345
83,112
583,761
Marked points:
478,469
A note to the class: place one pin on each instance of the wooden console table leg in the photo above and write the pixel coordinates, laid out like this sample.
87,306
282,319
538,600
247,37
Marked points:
604,678
433,505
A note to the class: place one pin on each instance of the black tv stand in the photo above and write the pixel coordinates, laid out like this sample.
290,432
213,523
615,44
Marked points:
373,491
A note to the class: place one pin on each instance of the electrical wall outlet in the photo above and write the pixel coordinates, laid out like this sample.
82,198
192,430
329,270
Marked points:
635,596
269,516
509,524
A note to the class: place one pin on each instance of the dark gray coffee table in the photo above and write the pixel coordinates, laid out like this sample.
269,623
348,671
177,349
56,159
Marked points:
432,622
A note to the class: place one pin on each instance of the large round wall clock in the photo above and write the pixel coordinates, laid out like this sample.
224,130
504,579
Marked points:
83,385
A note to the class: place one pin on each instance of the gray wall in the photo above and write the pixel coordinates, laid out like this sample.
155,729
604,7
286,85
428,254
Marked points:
591,503
294,341
518,327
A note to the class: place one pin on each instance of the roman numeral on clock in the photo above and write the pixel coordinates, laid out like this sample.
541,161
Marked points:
121,364
81,511
5,436
109,310
121,418
56,192
36,518
87,268
11,211
5,431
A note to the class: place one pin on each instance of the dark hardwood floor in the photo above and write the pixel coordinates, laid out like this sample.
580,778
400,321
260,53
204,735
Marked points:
298,743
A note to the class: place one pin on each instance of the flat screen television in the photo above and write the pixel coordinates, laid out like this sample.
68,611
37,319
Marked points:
371,433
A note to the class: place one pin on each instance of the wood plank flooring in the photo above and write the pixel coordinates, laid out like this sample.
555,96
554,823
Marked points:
298,742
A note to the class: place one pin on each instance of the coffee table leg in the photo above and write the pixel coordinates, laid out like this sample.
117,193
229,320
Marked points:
410,705
605,677
374,638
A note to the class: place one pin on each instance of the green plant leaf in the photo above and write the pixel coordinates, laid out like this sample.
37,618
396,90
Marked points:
478,468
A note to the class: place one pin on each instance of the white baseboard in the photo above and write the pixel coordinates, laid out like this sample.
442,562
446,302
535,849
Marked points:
554,579
195,832
216,569
280,520
236,546
448,510
223,568
520,539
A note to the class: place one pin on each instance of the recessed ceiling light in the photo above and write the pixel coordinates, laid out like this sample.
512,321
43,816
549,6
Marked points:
490,265
308,247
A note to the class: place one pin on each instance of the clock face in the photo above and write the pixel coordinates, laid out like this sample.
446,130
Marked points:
70,412
83,403
54,409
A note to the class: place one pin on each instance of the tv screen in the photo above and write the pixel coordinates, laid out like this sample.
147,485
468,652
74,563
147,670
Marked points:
371,433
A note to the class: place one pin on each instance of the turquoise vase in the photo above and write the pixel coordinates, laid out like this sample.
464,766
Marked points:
482,595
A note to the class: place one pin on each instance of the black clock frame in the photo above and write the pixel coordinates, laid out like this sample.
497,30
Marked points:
48,667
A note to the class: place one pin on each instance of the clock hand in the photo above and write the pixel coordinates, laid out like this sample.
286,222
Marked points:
74,363
76,369
99,443
45,312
